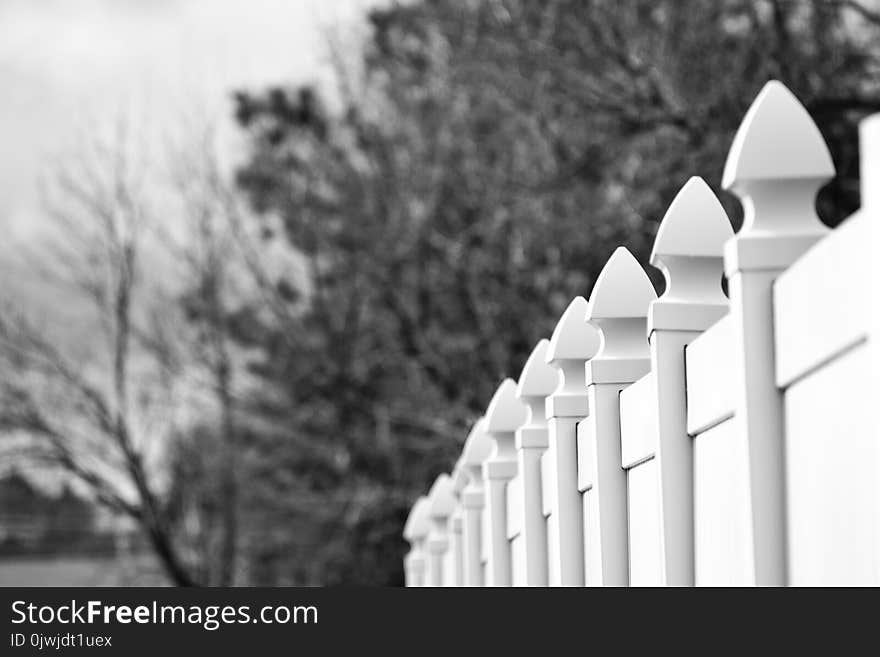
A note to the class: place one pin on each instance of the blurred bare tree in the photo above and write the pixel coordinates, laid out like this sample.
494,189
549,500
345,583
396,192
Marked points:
207,253
142,414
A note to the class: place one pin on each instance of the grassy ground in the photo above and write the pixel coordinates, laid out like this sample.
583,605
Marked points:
80,571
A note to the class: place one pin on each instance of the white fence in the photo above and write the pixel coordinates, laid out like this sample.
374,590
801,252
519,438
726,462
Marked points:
691,438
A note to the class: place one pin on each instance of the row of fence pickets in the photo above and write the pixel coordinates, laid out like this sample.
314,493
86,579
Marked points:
699,437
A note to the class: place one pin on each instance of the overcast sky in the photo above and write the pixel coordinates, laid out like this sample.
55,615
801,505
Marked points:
66,64
64,61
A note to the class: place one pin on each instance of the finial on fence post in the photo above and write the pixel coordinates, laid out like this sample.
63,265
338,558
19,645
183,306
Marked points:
688,250
442,504
537,380
504,416
415,531
573,343
777,163
618,308
476,450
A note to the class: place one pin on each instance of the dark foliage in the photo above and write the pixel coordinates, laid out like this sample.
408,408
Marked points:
474,180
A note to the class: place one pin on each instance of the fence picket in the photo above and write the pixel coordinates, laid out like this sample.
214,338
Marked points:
442,503
776,164
618,309
459,481
537,380
688,250
416,533
504,416
476,450
572,344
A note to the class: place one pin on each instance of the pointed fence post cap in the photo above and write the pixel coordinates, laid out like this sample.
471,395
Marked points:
506,413
477,446
442,497
538,378
776,140
695,225
573,338
688,250
622,290
417,523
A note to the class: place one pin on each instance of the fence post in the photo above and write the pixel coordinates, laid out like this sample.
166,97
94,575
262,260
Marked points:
459,481
869,145
415,532
618,308
476,450
688,250
442,504
504,416
537,380
572,344
777,163
869,156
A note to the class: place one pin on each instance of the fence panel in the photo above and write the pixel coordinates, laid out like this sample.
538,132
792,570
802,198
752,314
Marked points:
831,434
639,433
723,553
514,525
722,526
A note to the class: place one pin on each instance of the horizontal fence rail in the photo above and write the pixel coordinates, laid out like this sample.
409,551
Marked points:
696,438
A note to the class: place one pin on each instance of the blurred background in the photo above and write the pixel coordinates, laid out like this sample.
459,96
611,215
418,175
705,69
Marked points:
265,261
